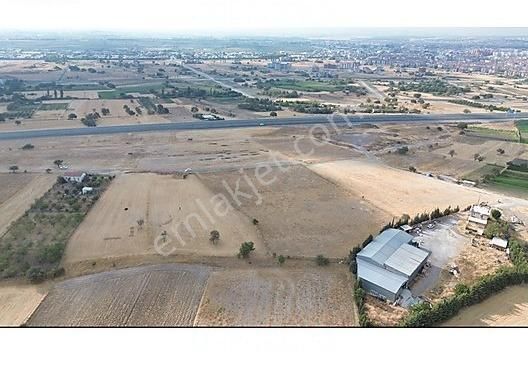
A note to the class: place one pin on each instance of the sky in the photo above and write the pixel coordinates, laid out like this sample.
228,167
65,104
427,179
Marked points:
209,17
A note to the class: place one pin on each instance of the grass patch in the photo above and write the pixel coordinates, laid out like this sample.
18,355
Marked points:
124,91
522,126
53,106
34,244
481,172
503,134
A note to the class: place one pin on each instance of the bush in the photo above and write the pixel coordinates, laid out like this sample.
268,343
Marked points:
496,214
320,260
35,275
245,249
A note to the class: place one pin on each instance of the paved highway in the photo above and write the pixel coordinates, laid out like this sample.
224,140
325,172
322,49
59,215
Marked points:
277,122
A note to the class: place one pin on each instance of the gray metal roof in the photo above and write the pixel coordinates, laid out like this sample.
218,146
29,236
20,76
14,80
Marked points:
384,245
381,277
389,260
406,259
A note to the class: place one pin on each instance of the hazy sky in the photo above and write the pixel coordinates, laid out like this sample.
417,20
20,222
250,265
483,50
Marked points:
256,16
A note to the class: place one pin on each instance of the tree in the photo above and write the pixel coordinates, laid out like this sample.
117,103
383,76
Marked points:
500,151
495,214
58,162
245,249
13,169
18,122
273,114
72,116
452,153
35,275
412,168
214,236
48,171
281,259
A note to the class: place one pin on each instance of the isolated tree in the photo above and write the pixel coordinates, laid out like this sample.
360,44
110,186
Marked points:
245,249
140,222
281,259
412,168
500,151
13,169
18,122
48,171
58,162
72,116
61,93
496,214
452,153
214,236
273,114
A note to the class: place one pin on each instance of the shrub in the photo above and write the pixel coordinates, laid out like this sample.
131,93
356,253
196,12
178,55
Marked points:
245,249
321,260
35,275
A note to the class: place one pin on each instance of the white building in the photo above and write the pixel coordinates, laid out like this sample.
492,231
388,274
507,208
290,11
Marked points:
74,176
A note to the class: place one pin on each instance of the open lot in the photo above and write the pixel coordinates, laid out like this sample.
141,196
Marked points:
165,295
394,191
300,213
279,296
143,214
18,302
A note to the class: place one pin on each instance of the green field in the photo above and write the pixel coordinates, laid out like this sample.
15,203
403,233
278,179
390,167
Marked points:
53,106
481,172
123,91
503,134
309,86
514,182
522,126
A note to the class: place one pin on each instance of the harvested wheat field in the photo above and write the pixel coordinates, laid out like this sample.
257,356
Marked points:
396,191
299,213
279,296
145,214
507,308
18,192
164,295
18,302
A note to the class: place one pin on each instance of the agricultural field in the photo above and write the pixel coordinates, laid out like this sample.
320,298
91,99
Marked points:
396,192
18,302
299,213
17,194
150,214
163,295
33,244
507,308
279,296
510,181
522,126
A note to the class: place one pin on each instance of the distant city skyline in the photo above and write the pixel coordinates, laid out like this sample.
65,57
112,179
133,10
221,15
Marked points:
272,17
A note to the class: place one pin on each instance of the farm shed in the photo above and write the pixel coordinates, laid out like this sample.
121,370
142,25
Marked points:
74,176
389,263
499,243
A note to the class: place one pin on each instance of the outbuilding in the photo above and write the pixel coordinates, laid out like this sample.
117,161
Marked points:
389,264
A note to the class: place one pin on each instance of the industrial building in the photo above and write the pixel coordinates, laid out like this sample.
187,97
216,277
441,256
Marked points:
389,263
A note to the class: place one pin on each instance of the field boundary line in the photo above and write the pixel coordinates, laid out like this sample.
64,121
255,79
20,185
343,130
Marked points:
202,299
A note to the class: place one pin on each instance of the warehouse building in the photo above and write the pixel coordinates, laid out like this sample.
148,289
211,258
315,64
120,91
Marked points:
389,263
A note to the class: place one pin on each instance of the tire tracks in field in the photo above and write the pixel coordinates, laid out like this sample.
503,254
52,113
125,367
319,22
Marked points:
138,295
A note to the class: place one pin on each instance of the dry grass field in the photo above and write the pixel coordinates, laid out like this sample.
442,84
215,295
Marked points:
279,296
18,302
395,191
300,213
17,194
507,308
165,203
164,295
